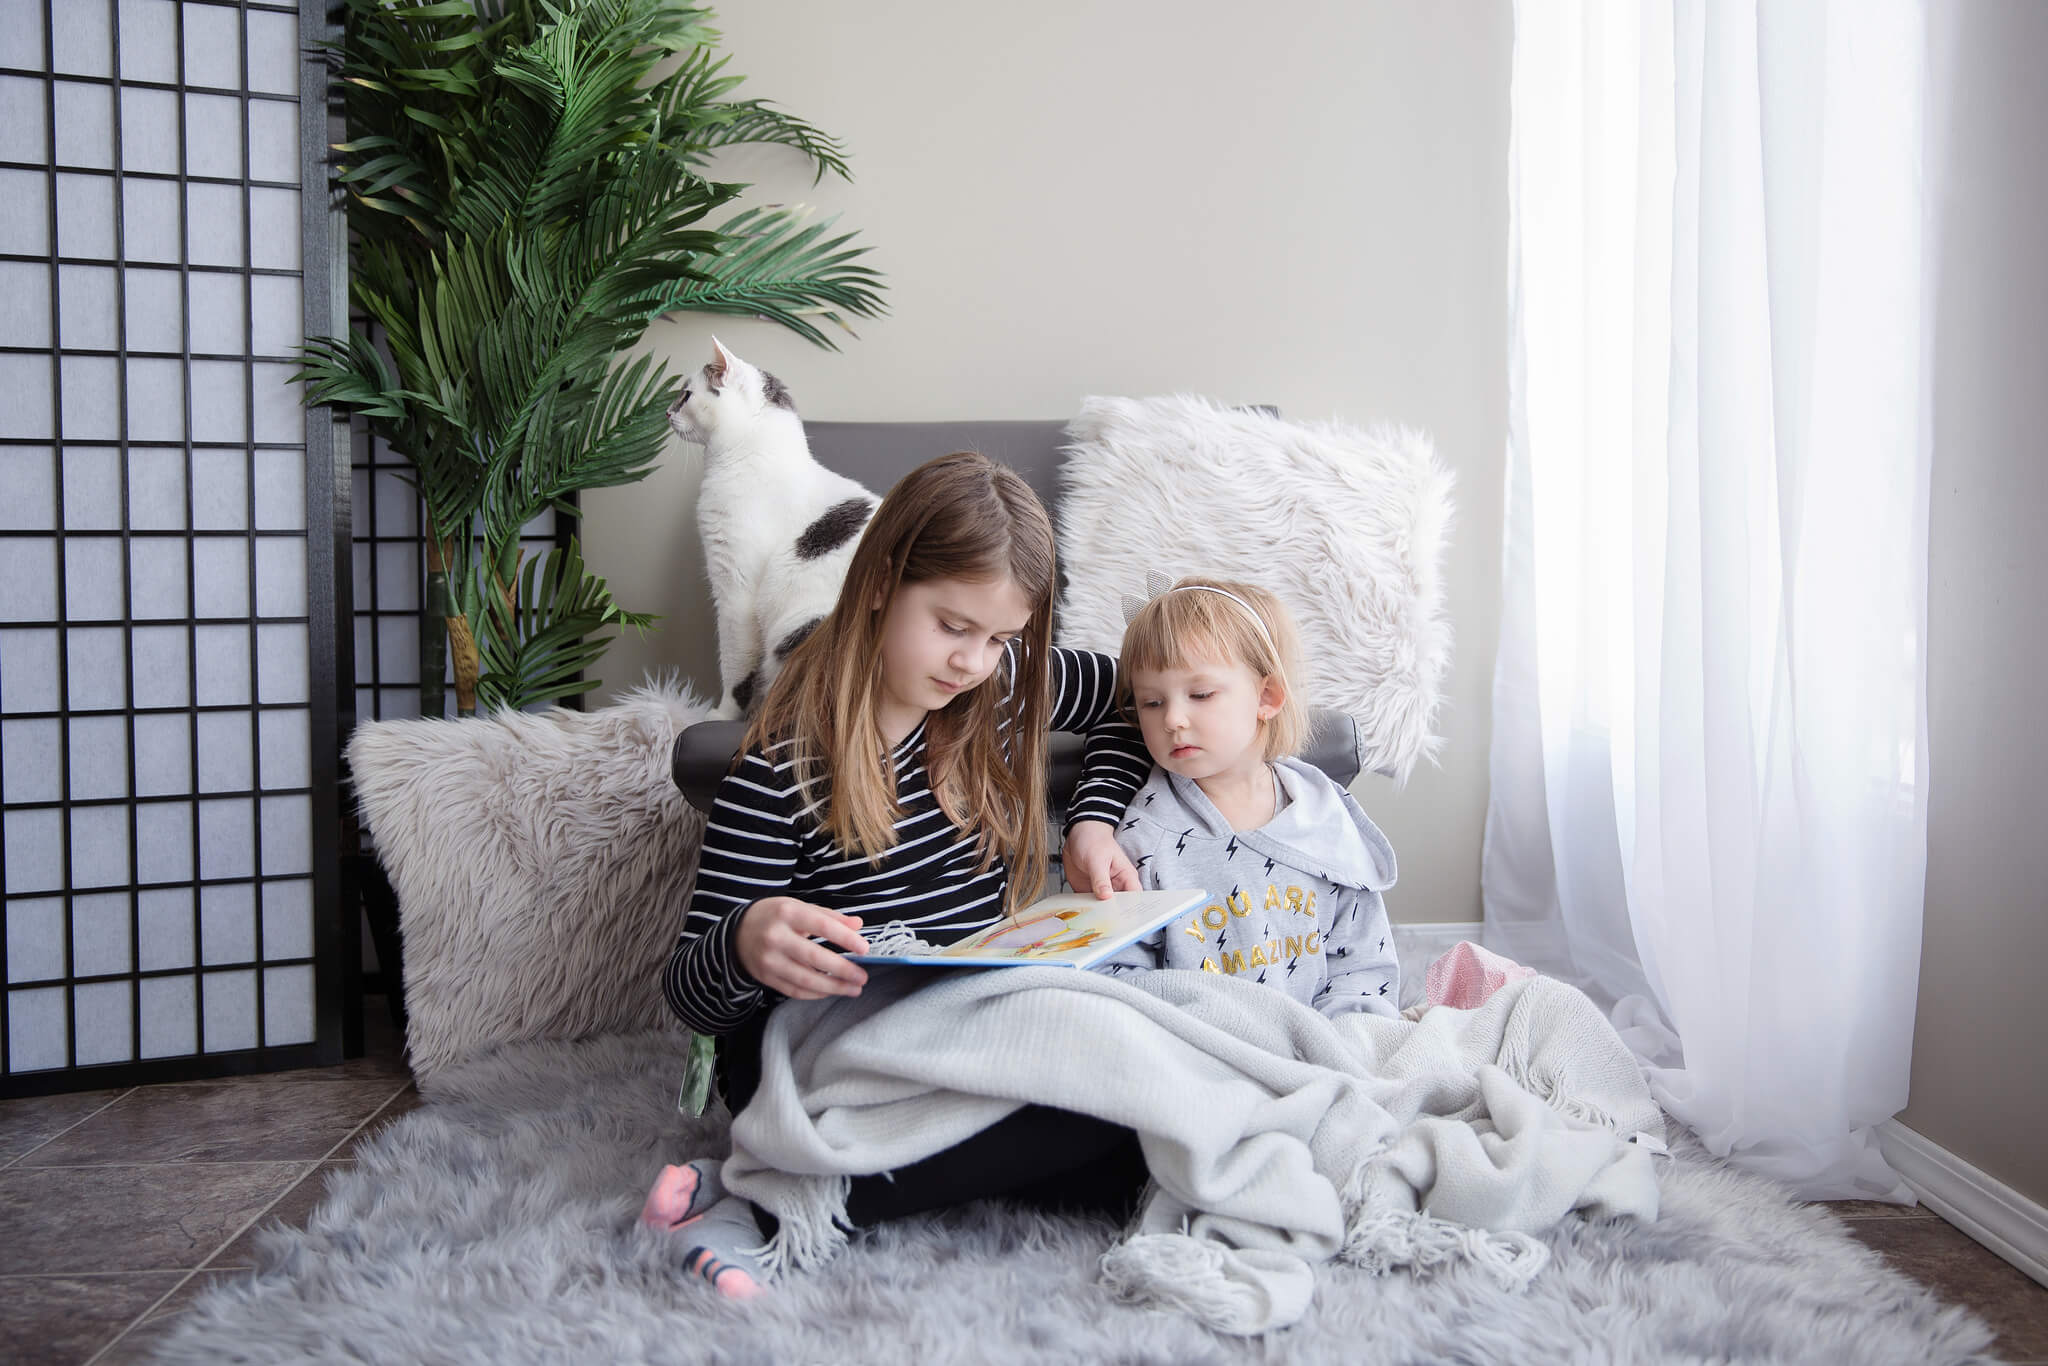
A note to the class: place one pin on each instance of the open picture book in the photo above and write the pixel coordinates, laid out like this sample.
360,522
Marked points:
1070,929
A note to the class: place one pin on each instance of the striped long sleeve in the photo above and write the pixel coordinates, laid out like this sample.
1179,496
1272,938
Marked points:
763,838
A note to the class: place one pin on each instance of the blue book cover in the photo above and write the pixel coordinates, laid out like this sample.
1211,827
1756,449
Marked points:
1067,929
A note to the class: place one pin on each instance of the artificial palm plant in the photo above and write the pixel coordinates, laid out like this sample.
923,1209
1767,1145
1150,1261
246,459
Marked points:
526,192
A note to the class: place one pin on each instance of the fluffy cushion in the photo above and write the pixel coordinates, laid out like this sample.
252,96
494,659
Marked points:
542,865
1345,526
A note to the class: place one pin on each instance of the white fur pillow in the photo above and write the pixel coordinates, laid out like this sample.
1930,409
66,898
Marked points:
1346,526
542,864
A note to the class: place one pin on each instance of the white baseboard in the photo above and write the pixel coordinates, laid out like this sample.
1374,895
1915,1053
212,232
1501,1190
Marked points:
1982,1206
1432,937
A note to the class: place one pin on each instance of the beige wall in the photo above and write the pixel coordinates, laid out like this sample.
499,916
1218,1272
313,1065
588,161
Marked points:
1980,1083
1306,207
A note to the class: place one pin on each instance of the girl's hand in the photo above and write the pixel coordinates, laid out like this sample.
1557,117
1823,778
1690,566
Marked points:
1094,863
776,943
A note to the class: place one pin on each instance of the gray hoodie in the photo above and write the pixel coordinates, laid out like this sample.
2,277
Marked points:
1297,901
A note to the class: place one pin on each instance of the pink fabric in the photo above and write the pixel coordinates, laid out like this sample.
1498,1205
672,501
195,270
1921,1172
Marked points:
1466,975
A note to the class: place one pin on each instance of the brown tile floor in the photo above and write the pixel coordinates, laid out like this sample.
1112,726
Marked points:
117,1207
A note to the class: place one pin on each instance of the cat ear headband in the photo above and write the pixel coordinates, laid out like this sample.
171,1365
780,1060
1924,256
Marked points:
1157,585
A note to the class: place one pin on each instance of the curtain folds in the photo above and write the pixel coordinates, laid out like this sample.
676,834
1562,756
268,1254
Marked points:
1709,766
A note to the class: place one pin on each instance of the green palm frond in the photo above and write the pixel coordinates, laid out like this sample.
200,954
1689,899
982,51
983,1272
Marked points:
539,650
781,266
526,189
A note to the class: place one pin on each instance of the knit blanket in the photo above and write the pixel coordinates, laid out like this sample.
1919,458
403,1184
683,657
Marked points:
1277,1139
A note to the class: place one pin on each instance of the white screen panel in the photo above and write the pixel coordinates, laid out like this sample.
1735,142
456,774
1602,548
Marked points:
24,212
163,768
155,310
163,667
92,397
92,488
99,935
221,656
99,846
35,940
280,491
170,1017
81,38
157,579
220,574
29,410
213,46
103,1015
94,579
283,745
24,303
167,923
95,667
218,310
288,1005
149,130
34,841
29,475
99,757
227,837
28,578
225,760
227,923
163,840
287,834
85,124
28,663
288,919
156,489
229,1012
29,755
23,129
281,664
149,40
35,1028
85,216
220,491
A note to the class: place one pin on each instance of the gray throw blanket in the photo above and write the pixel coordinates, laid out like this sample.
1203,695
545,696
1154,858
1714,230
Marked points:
1276,1138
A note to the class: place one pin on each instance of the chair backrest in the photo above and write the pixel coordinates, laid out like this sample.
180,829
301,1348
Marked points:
880,453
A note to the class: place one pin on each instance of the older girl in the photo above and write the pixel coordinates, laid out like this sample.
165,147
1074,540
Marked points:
897,772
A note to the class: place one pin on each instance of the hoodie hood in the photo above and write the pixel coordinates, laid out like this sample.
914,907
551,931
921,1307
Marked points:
1299,836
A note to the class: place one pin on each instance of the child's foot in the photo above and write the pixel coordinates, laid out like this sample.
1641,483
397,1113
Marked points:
681,1195
724,1235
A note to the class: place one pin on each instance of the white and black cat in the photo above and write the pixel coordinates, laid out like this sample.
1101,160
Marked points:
778,528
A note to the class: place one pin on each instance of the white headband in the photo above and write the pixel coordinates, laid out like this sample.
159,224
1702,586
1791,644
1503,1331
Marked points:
1157,585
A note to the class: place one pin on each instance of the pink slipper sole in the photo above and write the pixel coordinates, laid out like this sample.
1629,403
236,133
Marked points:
668,1202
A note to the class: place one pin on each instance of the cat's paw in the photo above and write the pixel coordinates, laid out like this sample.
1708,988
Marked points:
728,710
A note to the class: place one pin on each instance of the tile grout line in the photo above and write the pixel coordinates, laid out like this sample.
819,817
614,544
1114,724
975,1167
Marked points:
14,1160
229,1241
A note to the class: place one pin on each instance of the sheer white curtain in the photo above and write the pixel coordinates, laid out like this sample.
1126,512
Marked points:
1709,757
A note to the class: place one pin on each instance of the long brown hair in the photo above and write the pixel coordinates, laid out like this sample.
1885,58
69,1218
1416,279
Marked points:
961,516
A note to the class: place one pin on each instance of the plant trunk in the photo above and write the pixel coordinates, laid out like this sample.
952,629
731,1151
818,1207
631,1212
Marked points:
434,632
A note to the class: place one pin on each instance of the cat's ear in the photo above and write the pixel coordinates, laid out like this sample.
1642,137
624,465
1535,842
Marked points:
722,362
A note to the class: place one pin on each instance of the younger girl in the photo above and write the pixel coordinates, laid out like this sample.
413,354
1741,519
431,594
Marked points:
1294,868
896,772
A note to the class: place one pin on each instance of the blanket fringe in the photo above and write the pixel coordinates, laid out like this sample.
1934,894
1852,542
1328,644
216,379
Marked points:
1174,1271
1380,1236
1423,1244
897,937
812,1229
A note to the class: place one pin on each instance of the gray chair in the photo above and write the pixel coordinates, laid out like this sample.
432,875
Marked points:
878,454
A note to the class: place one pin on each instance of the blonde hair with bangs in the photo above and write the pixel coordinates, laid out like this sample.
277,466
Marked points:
1184,626
960,516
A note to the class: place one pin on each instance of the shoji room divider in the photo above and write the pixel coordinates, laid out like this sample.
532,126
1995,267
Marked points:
174,673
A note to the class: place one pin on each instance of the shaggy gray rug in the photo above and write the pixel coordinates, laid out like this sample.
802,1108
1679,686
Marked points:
497,1225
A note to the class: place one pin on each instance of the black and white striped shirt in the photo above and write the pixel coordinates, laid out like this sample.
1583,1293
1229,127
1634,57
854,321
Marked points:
763,839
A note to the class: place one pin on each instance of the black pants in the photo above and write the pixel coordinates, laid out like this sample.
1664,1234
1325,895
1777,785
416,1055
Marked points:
1037,1156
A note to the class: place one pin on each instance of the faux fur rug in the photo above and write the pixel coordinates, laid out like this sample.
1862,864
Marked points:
498,1225
542,863
1346,526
